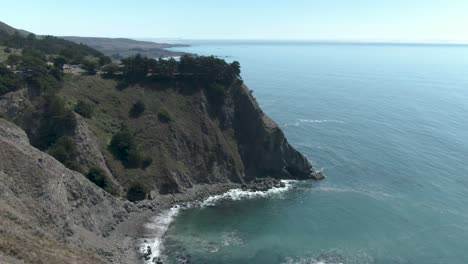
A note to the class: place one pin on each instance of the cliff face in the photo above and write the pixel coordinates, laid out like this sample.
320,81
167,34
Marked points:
262,145
198,132
47,206
204,149
203,144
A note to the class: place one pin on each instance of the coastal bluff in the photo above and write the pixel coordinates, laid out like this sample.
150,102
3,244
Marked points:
206,151
88,156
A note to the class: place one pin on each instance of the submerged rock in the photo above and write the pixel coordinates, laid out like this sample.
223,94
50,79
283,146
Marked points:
263,184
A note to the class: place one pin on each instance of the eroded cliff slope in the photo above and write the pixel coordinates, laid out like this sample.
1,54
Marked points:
49,214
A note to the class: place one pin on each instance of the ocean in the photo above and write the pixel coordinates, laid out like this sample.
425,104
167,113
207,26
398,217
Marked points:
387,125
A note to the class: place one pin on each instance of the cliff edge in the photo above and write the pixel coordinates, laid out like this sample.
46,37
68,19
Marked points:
263,147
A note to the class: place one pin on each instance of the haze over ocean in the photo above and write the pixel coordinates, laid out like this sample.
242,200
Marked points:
387,123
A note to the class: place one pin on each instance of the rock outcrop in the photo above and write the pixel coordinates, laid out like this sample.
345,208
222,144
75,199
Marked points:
89,154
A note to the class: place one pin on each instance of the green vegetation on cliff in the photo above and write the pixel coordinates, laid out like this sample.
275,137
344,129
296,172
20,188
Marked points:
144,125
49,45
36,65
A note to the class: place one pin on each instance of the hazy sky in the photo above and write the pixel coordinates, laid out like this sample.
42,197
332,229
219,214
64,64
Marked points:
381,20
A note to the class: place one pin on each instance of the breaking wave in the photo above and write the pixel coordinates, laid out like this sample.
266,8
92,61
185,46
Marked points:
300,121
239,194
155,231
159,224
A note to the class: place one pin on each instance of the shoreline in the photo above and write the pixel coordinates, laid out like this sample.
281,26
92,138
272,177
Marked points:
129,234
140,230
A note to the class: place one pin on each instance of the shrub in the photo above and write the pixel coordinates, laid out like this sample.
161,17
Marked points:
90,66
134,158
137,109
64,150
121,144
73,165
84,109
56,121
97,176
7,50
124,148
164,116
136,192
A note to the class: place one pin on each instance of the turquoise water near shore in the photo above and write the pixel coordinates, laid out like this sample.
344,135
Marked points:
388,124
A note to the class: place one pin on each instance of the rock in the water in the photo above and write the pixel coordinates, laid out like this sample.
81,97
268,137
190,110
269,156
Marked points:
317,175
157,260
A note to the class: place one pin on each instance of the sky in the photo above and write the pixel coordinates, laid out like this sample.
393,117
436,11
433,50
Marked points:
329,20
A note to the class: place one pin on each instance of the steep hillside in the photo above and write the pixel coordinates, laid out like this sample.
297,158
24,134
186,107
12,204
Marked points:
49,214
153,126
11,30
201,144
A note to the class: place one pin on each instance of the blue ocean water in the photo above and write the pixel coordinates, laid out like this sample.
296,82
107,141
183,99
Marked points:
388,124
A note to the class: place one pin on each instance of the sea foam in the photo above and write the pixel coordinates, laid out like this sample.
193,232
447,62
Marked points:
239,194
300,121
155,230
159,224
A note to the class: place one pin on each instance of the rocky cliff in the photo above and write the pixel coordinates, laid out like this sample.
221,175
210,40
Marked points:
85,158
262,145
204,149
204,143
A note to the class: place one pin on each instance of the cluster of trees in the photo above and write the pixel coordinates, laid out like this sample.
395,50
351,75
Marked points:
53,121
208,72
124,148
32,69
56,120
206,69
8,80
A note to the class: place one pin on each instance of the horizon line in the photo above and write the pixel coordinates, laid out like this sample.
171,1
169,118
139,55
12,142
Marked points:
311,41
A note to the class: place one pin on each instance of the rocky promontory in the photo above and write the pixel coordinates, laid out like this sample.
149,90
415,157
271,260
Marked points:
44,203
86,157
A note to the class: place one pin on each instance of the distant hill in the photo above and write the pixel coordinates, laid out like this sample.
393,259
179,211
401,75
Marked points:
123,47
11,30
46,45
116,48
